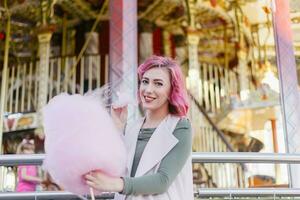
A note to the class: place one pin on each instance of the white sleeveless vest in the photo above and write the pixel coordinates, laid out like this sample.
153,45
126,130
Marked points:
160,143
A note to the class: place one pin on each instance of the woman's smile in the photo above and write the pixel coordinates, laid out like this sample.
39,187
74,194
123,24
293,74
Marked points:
148,99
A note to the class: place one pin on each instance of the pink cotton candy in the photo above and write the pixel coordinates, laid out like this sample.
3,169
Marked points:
80,137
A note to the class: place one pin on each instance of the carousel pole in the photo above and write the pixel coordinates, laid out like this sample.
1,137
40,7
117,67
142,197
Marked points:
4,87
167,43
289,89
193,42
64,40
193,81
242,67
4,75
44,37
123,49
181,53
145,40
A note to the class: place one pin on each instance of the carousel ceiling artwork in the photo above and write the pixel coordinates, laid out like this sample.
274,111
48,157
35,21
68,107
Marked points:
215,21
28,16
211,23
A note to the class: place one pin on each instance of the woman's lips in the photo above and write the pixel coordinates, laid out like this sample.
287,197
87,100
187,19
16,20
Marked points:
148,99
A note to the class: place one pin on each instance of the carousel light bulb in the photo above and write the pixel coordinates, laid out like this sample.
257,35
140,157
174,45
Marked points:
271,80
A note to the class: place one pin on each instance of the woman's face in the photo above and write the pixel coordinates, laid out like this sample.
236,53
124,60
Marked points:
155,88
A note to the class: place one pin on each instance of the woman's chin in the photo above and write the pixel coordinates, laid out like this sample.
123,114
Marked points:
147,106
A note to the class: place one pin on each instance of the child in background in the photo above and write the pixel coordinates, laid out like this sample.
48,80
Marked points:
27,174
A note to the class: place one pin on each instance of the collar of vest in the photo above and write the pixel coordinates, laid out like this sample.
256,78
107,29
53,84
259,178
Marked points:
160,143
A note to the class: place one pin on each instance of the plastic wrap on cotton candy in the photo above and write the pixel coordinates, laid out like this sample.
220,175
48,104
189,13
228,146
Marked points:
123,100
80,137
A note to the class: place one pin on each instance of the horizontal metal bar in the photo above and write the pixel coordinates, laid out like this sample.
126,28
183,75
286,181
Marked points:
249,192
245,157
47,195
203,157
21,159
203,192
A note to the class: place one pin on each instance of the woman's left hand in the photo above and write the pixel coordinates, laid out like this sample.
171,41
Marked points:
119,116
103,182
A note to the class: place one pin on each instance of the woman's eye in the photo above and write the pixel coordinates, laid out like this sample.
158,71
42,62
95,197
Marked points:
158,84
144,81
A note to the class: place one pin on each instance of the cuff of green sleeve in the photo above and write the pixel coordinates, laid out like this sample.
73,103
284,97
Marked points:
125,188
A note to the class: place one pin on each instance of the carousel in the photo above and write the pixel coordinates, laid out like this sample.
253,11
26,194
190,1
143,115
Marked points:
226,49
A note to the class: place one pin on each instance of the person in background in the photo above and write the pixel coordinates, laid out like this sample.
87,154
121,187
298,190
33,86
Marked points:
28,177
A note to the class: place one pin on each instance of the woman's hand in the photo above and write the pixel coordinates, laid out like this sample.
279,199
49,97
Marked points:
119,115
103,182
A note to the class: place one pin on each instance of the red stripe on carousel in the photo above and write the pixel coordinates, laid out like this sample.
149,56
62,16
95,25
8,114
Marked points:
157,42
173,46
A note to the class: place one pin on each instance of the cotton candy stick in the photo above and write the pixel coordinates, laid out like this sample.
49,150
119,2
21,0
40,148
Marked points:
92,193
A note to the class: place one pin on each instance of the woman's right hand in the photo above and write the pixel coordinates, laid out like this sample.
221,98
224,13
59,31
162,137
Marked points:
119,116
103,182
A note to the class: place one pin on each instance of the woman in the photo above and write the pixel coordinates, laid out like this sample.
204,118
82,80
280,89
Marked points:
159,145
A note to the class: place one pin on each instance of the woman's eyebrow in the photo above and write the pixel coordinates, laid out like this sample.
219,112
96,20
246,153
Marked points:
157,79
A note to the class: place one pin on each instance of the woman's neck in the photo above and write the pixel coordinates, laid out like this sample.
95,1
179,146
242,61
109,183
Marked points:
153,118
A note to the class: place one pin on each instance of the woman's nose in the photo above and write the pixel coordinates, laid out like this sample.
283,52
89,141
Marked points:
149,88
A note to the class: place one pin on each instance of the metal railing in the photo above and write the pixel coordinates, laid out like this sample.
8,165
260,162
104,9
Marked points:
216,85
201,193
47,195
211,123
23,80
245,157
208,138
198,157
250,192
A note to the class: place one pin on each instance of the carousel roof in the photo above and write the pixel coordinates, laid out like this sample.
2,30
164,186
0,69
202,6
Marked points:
211,19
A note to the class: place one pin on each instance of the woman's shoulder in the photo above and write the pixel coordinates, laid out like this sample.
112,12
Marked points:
183,129
183,123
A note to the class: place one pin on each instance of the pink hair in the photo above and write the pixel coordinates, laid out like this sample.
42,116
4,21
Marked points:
178,101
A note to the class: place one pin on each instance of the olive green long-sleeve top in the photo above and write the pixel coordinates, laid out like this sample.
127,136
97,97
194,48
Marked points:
169,168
